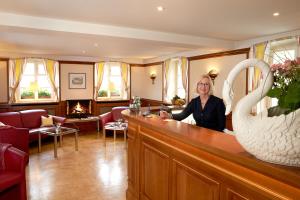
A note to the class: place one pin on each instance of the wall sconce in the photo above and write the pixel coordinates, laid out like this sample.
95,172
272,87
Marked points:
153,76
213,74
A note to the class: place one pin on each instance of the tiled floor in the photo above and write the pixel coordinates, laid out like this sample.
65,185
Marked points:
94,172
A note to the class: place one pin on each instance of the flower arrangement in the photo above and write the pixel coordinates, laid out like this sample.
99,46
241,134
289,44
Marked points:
286,86
135,104
177,101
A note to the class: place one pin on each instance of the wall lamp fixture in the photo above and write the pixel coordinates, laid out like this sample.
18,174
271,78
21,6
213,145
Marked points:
153,77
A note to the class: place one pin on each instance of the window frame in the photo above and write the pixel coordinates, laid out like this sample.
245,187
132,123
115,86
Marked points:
36,63
107,67
176,72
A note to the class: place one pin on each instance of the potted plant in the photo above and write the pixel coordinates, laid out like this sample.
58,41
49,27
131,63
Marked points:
177,101
45,94
102,93
27,94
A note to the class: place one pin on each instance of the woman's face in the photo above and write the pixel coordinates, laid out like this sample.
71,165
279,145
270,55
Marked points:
203,86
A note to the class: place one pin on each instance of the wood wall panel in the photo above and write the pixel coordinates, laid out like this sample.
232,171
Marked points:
154,173
103,107
180,161
190,184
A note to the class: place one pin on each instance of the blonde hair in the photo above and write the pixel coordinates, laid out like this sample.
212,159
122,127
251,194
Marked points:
211,85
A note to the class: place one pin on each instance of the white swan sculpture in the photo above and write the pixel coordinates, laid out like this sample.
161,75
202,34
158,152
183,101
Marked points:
272,139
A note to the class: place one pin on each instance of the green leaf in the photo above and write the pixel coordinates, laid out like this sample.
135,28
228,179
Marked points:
292,98
274,93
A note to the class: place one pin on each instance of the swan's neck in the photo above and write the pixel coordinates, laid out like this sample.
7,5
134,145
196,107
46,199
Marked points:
244,106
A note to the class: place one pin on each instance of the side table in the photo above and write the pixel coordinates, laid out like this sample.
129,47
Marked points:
115,126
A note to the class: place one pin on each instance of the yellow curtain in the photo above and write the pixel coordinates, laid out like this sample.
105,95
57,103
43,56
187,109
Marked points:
124,74
184,72
166,70
259,53
15,74
99,69
51,72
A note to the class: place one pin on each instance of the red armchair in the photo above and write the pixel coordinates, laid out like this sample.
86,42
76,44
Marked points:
18,137
12,173
112,116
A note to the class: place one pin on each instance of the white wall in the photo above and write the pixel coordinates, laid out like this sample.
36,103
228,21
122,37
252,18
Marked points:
67,93
223,64
141,84
3,82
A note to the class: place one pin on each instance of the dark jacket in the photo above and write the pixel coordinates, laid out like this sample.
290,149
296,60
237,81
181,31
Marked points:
212,116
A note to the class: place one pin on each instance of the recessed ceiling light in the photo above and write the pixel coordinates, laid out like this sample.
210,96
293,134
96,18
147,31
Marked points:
276,14
96,44
160,8
83,51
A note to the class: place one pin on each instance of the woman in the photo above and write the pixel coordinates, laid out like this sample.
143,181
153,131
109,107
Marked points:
208,110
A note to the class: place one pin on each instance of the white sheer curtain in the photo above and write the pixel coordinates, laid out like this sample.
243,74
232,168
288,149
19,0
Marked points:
125,78
171,89
175,78
184,72
166,79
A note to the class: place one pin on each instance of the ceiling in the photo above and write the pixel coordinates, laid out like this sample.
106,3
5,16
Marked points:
134,29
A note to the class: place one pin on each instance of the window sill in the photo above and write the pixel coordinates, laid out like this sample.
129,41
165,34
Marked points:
34,103
112,100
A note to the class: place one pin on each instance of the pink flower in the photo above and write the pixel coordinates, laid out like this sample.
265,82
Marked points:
275,67
298,60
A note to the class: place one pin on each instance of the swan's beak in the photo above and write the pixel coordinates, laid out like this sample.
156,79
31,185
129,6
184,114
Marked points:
227,97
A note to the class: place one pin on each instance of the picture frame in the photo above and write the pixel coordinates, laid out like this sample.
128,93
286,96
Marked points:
77,80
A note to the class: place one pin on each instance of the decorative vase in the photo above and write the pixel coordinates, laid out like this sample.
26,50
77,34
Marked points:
273,139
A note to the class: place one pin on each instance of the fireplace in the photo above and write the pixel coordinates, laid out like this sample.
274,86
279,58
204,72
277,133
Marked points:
80,108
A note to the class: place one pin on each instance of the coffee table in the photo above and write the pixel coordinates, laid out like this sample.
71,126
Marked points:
115,126
55,132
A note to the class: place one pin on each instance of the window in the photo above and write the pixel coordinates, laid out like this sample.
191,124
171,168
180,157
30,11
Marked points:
35,84
174,79
113,85
280,56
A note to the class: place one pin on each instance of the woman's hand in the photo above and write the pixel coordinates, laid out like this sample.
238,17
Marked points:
164,115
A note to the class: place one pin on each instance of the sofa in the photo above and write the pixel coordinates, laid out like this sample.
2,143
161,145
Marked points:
18,121
111,116
12,173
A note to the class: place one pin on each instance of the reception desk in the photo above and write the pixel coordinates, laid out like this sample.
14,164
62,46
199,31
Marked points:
170,160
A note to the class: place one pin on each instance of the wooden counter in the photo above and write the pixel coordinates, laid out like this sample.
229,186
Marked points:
168,160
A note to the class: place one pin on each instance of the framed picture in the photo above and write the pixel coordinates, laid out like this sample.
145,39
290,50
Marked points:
77,80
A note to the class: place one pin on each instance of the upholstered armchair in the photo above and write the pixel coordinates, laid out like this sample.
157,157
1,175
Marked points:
12,173
112,116
17,137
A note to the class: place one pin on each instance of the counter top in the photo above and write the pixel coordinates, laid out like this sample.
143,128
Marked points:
223,145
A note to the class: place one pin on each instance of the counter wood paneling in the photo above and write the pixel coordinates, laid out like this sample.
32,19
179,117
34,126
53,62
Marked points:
168,159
